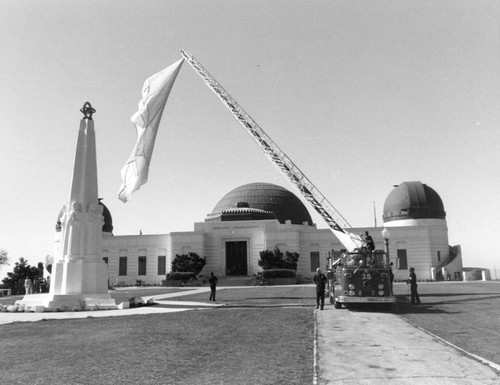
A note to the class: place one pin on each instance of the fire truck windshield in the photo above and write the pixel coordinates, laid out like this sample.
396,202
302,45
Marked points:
377,259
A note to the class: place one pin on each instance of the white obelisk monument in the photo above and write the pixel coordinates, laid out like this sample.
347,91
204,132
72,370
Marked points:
79,274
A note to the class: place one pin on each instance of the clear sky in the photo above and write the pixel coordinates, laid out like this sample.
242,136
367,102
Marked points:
361,95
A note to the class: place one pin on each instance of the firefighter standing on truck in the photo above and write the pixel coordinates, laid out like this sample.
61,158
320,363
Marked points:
370,245
320,281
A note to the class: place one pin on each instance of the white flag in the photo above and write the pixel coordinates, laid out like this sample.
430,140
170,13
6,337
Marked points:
154,97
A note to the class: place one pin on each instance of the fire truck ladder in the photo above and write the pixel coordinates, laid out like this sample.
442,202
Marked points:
318,201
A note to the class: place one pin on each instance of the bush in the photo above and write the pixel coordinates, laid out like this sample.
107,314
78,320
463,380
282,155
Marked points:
278,273
190,262
181,276
274,260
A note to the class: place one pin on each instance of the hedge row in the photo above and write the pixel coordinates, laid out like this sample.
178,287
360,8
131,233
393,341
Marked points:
182,276
278,273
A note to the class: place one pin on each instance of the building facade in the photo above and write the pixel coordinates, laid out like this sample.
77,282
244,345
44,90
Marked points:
262,216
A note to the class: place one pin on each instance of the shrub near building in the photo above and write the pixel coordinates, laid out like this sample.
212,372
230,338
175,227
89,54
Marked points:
278,269
185,269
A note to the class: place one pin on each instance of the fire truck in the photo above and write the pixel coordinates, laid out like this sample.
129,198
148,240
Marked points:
360,277
357,276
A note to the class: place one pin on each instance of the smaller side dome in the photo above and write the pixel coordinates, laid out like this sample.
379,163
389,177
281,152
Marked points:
107,227
413,200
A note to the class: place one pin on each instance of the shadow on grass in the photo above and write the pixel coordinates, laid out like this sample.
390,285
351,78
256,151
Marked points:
457,301
403,306
302,298
467,300
258,305
456,294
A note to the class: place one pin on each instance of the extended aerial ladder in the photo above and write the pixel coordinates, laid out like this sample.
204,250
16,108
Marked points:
337,223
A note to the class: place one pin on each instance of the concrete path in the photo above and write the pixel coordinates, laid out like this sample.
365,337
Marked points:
164,306
355,347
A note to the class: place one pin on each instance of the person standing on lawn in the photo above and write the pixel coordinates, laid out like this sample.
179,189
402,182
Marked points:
415,299
27,286
212,280
320,281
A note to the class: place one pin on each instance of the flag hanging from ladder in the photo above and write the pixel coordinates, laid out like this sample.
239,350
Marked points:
147,120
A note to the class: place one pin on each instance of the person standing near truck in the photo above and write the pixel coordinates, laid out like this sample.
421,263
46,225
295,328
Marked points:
320,281
415,299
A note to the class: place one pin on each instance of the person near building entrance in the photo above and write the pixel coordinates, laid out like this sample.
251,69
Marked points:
415,299
212,280
320,281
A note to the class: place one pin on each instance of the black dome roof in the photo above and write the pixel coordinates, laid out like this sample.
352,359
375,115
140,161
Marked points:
267,198
413,200
107,227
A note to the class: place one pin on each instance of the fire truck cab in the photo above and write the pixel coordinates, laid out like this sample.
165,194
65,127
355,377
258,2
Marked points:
360,277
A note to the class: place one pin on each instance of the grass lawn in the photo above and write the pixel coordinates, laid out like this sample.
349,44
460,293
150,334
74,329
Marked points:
259,296
220,346
467,314
263,336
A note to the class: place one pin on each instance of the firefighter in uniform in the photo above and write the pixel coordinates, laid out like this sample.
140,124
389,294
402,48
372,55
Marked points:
415,298
320,281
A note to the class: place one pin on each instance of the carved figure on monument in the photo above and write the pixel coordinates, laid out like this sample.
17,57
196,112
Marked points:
93,226
71,223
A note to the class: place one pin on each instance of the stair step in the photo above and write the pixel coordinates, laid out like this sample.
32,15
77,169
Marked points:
236,281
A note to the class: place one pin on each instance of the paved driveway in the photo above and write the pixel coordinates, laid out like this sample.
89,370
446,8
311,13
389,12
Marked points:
357,347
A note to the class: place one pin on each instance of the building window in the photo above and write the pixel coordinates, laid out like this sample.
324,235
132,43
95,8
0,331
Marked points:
122,270
162,265
142,266
402,261
439,256
314,260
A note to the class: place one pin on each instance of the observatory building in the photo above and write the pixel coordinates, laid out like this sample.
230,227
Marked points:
262,216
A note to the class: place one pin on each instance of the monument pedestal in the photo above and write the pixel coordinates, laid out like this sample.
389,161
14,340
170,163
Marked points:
72,302
79,284
80,276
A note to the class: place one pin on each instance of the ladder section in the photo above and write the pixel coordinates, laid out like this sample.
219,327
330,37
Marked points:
285,165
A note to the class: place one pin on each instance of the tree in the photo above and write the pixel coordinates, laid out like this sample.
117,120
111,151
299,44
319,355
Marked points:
190,262
15,279
274,259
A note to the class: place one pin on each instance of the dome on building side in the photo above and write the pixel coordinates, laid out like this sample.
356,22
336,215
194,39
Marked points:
255,201
413,200
107,227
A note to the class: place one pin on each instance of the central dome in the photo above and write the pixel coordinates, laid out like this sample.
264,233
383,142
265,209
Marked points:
264,197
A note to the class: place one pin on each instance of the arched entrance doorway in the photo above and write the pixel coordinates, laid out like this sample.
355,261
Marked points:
236,258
